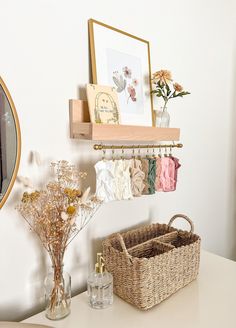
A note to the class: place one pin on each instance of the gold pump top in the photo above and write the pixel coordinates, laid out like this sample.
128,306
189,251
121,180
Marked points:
99,266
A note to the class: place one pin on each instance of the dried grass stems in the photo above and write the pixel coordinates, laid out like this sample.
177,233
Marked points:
52,212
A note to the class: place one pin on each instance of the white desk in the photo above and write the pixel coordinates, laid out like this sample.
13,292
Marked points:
208,302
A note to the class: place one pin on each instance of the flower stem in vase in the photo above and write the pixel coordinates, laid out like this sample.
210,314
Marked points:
164,87
51,213
58,293
162,117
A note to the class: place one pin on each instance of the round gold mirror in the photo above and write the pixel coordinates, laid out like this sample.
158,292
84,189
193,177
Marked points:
10,143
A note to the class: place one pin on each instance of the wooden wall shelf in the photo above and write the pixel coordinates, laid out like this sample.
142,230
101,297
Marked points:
108,132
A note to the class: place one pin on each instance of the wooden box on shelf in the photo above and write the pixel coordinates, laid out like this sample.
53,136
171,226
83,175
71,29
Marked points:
82,128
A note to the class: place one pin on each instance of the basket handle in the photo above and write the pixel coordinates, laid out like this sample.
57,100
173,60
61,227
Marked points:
184,217
122,244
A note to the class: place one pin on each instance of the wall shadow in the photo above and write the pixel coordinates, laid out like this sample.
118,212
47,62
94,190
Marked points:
232,176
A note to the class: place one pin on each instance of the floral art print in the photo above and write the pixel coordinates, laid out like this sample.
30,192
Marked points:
125,74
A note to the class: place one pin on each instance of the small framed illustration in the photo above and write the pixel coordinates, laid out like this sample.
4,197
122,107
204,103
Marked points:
122,61
103,104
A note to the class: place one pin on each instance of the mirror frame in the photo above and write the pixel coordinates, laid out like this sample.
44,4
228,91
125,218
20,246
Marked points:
18,142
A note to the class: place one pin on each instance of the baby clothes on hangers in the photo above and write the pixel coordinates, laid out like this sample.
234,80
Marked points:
122,179
137,176
105,182
151,175
145,169
158,183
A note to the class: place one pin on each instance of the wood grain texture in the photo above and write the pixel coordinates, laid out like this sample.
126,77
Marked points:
78,111
109,132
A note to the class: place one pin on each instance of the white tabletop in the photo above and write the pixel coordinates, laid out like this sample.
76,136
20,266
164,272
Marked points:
208,302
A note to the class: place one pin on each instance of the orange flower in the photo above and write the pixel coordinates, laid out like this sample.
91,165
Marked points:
71,210
178,87
163,76
72,193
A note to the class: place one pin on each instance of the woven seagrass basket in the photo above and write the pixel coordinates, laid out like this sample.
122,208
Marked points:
151,263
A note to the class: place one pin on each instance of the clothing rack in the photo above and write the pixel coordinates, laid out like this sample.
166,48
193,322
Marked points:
103,147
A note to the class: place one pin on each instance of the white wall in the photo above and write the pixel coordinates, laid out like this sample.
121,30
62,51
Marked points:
44,62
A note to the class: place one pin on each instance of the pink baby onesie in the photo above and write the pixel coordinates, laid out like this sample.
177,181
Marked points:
167,177
177,166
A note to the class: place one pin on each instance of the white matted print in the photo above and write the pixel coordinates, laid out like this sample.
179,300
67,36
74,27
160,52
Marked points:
122,61
103,104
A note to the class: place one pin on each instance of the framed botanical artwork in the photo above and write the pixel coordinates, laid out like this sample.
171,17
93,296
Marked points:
122,61
103,104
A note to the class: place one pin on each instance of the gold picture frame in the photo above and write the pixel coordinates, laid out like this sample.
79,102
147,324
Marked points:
99,66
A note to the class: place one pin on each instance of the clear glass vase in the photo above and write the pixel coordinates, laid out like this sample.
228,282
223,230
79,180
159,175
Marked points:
162,118
57,293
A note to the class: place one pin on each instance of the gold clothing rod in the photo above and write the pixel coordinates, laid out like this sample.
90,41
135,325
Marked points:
101,146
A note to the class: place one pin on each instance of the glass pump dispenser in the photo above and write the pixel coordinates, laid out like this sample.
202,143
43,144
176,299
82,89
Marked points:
100,285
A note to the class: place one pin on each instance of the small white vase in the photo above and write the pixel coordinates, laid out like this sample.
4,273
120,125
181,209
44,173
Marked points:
162,118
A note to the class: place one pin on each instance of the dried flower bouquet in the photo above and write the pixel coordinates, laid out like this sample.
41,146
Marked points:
51,214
